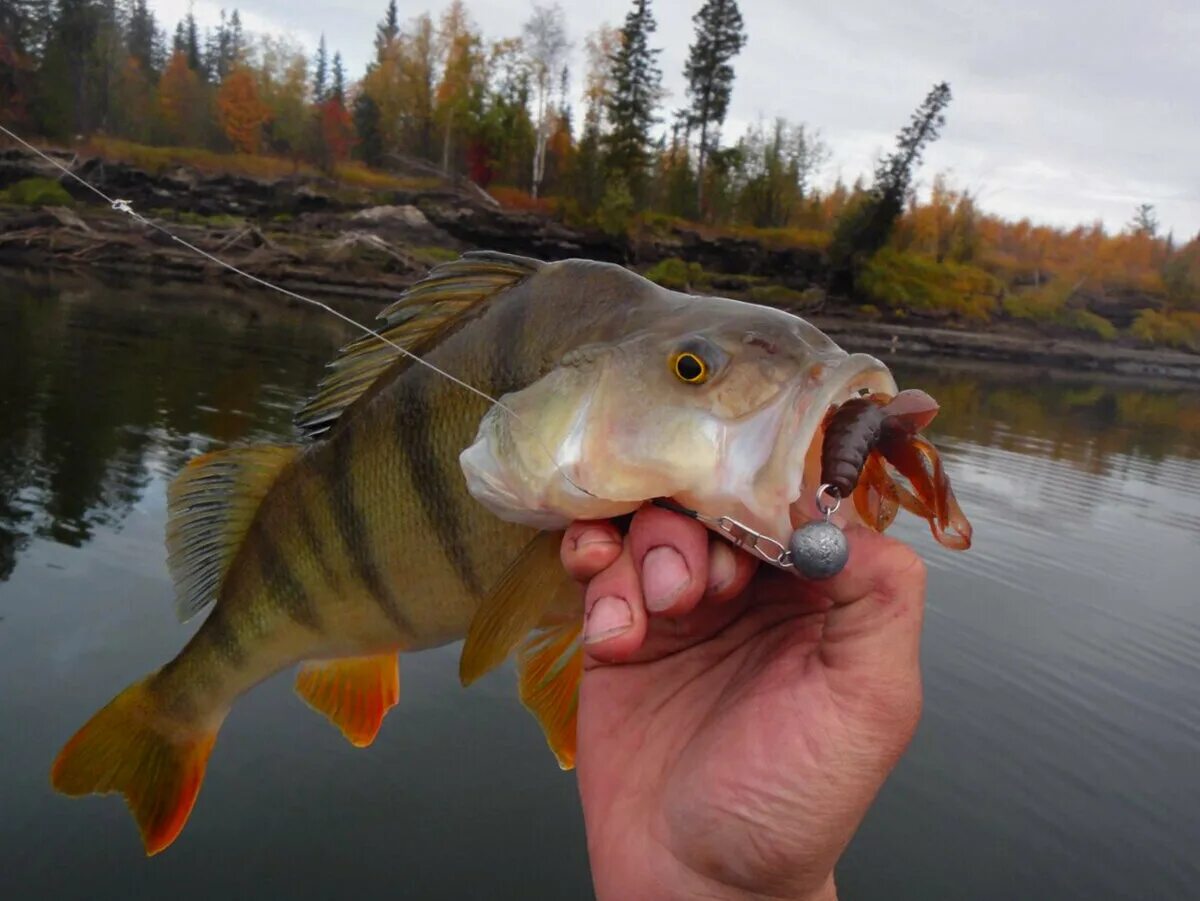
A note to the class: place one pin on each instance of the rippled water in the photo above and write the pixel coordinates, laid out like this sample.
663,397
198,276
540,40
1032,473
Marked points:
1058,757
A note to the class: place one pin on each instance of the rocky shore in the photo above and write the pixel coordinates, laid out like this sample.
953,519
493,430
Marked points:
314,238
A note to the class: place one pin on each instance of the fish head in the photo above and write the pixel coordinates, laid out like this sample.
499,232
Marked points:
715,403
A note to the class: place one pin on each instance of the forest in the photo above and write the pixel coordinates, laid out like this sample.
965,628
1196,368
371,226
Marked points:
440,97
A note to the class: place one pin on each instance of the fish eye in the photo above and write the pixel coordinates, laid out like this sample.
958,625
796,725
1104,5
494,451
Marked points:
689,367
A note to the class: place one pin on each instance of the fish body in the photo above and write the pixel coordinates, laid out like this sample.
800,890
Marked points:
418,513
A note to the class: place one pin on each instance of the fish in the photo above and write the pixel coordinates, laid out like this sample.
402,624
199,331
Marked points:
411,513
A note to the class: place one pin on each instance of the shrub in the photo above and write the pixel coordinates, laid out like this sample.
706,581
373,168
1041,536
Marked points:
1047,305
675,274
1174,329
907,282
779,296
37,192
616,208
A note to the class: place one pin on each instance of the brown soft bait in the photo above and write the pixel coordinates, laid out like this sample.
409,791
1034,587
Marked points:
864,432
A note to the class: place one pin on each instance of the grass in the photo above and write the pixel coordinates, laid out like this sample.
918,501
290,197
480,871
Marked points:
158,160
433,255
676,274
36,192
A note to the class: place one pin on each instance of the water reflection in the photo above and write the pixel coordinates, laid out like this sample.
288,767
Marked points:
1056,758
103,386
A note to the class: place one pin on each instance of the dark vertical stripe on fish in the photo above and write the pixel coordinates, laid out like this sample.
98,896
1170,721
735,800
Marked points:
415,432
282,584
313,543
224,637
505,355
352,526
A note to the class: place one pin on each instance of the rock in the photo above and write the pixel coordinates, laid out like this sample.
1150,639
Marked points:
406,215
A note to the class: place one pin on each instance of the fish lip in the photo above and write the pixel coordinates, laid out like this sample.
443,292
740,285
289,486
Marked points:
855,372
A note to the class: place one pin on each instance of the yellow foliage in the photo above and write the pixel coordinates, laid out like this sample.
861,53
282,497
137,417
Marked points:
908,281
1176,329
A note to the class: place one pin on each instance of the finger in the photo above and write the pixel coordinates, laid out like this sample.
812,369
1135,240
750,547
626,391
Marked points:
614,623
670,551
589,547
729,571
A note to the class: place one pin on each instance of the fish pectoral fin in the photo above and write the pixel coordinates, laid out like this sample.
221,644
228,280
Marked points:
533,585
156,762
353,693
549,668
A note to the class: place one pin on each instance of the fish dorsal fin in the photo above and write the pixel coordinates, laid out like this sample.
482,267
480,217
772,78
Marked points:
424,315
210,505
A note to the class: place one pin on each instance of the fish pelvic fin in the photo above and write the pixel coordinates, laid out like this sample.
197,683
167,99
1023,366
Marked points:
210,506
533,586
353,693
423,317
154,761
549,669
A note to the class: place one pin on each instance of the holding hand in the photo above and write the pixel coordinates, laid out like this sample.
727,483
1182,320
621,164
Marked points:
735,723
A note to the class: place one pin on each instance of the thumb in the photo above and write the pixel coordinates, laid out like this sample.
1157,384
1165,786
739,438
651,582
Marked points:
871,642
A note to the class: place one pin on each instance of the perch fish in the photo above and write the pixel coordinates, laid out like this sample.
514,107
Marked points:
413,513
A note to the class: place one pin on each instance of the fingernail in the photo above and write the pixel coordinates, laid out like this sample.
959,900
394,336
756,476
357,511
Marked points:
593,537
664,575
722,566
608,618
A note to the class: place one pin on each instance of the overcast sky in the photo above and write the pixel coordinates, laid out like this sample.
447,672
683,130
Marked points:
1063,111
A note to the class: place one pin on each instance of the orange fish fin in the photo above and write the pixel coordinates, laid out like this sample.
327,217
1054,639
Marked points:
549,667
424,315
210,506
354,693
533,586
128,747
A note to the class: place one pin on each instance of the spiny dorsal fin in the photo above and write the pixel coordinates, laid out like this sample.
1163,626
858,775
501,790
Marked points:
424,315
210,505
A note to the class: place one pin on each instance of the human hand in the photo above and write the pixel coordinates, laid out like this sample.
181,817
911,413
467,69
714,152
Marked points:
735,723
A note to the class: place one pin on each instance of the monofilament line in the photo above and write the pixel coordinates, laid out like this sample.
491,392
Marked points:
124,206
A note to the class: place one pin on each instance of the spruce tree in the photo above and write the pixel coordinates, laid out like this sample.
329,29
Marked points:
191,44
141,35
720,36
321,71
387,31
338,90
637,87
865,226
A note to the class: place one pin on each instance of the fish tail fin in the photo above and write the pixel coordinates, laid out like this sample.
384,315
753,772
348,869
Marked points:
130,747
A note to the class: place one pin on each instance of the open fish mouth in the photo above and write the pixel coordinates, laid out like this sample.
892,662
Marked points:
856,376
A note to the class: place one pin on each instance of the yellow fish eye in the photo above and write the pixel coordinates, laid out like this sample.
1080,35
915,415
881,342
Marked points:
690,368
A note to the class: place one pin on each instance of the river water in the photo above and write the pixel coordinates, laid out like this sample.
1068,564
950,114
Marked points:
1058,756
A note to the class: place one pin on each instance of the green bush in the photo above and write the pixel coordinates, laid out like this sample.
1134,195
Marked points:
1047,305
675,274
906,282
1174,329
616,208
37,192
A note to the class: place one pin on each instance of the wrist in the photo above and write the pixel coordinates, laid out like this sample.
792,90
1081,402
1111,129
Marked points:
827,891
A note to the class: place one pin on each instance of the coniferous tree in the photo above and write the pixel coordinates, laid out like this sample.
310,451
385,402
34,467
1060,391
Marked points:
338,89
387,31
237,40
865,226
320,71
720,36
636,90
367,125
141,36
191,43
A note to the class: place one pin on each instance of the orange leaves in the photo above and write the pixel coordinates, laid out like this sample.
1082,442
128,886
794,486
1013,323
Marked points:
178,89
240,111
337,129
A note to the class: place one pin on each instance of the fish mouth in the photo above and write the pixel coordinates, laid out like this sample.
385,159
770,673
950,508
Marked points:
856,375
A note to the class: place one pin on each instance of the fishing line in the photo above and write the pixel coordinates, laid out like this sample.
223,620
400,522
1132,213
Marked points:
124,206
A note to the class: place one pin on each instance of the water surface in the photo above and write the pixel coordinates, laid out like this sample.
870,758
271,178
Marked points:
1058,757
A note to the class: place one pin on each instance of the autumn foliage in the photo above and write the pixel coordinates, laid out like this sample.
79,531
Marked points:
241,113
